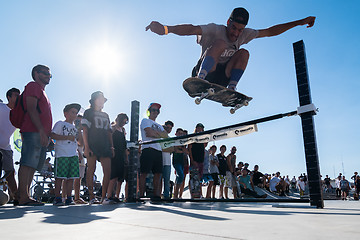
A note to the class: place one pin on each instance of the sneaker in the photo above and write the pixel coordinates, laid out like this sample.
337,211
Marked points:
115,199
107,201
69,201
58,202
94,201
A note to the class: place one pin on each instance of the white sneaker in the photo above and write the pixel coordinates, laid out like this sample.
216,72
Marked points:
107,201
94,201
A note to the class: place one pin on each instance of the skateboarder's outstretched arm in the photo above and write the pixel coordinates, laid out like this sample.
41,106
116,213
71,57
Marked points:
181,30
281,28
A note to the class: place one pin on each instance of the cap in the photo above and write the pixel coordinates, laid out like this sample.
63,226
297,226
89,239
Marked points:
155,105
199,125
96,95
240,15
72,105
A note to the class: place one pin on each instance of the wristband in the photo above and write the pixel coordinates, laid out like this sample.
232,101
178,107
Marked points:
166,30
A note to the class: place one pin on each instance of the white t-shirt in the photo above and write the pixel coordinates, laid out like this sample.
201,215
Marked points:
6,128
212,32
166,158
65,148
145,123
273,182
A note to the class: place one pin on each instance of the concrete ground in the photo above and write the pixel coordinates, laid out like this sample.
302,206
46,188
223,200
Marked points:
206,220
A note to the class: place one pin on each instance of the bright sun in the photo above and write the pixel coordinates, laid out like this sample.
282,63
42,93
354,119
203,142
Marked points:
105,60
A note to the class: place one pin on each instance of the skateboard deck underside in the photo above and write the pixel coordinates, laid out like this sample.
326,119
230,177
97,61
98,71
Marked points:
195,87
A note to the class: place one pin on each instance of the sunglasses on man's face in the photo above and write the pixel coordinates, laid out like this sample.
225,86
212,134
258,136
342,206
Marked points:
46,73
154,110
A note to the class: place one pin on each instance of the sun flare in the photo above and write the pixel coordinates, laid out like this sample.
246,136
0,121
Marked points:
105,60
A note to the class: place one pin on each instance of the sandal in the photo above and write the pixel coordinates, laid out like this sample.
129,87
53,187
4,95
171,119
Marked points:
32,203
80,201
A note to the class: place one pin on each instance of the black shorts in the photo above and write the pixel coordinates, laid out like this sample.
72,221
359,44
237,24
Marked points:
151,160
215,177
218,76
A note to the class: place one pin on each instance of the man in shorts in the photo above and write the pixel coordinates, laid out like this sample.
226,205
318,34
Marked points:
35,130
230,174
6,130
222,60
151,155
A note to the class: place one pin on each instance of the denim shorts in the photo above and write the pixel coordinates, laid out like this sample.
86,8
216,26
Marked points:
32,153
7,160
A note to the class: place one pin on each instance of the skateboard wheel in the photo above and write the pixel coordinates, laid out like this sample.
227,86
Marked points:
246,102
197,101
211,91
232,111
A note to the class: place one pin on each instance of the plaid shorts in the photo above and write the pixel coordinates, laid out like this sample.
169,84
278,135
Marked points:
67,167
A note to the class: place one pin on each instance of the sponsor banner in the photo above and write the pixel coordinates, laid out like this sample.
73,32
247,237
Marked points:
215,136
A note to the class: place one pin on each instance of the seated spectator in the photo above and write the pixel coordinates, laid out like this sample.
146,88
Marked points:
257,177
47,169
247,185
274,181
301,186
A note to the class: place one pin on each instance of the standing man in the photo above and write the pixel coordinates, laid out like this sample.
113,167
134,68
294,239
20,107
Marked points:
222,61
151,155
197,152
35,130
168,126
230,173
6,130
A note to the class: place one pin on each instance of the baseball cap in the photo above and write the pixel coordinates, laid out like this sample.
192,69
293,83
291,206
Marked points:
96,95
72,105
154,105
240,15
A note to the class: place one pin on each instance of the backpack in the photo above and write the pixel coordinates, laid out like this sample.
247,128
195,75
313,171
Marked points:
17,114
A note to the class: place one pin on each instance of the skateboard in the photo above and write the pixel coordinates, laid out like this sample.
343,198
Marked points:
195,185
200,89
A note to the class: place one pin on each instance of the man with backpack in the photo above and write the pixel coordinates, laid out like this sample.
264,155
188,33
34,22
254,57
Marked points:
35,129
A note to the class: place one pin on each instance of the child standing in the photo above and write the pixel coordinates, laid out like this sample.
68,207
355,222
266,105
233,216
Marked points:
214,170
66,157
119,161
98,144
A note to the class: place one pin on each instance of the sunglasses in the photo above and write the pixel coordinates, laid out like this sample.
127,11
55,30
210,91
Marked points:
154,110
46,73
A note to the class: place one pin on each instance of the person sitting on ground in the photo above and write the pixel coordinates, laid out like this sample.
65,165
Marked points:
301,186
282,187
247,185
274,181
258,178
238,169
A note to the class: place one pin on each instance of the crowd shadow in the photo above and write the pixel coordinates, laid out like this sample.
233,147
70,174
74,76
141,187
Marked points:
69,215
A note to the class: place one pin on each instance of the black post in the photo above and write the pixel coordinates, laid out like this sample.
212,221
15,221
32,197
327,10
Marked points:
308,127
133,158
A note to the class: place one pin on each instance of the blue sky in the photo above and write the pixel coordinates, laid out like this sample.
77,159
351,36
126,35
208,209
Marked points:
102,45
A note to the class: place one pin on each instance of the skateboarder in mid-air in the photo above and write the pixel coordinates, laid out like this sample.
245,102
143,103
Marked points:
222,60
